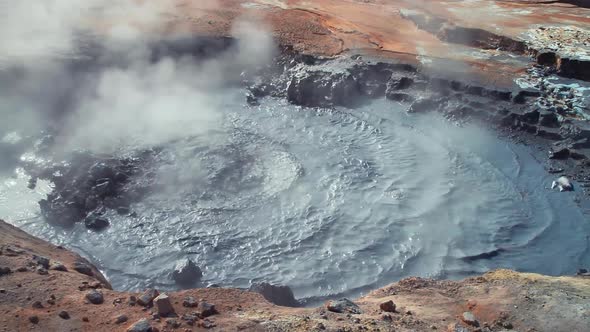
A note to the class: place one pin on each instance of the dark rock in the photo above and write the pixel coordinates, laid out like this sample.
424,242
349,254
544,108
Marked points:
147,297
95,297
531,117
549,134
186,272
121,319
205,309
83,268
469,318
96,223
34,319
279,295
388,306
399,83
343,306
40,260
251,99
323,89
548,119
64,315
163,305
173,323
41,270
142,325
547,58
190,302
58,266
37,305
5,270
190,318
559,153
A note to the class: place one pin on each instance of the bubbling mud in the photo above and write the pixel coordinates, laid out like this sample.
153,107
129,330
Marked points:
329,202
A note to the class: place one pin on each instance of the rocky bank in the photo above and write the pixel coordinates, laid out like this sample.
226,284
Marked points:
48,288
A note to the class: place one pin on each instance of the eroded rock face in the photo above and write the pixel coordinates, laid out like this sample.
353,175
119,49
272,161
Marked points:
186,272
279,295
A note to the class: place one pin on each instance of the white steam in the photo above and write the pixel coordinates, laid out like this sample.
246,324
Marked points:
142,102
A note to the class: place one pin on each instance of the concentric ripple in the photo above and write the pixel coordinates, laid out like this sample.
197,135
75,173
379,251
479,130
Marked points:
333,202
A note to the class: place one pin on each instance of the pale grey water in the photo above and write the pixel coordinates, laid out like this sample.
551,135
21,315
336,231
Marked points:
330,202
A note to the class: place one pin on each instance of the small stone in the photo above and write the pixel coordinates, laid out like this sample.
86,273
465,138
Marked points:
279,295
163,305
205,309
147,297
95,297
64,315
41,270
207,324
142,325
132,300
85,319
343,306
186,272
320,326
22,269
121,319
454,327
37,305
190,302
173,323
58,266
2,291
388,306
5,271
83,268
469,318
34,319
40,260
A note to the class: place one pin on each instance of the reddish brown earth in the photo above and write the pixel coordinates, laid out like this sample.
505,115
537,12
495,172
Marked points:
500,300
382,28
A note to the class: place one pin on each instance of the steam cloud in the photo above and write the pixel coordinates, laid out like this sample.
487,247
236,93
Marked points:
141,102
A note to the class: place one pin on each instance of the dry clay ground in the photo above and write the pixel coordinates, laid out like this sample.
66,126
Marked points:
33,298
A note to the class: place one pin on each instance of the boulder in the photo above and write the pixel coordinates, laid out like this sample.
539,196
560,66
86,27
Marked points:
40,260
142,325
190,302
548,119
163,305
186,272
147,297
388,306
343,306
95,297
469,319
57,266
279,295
205,309
83,268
